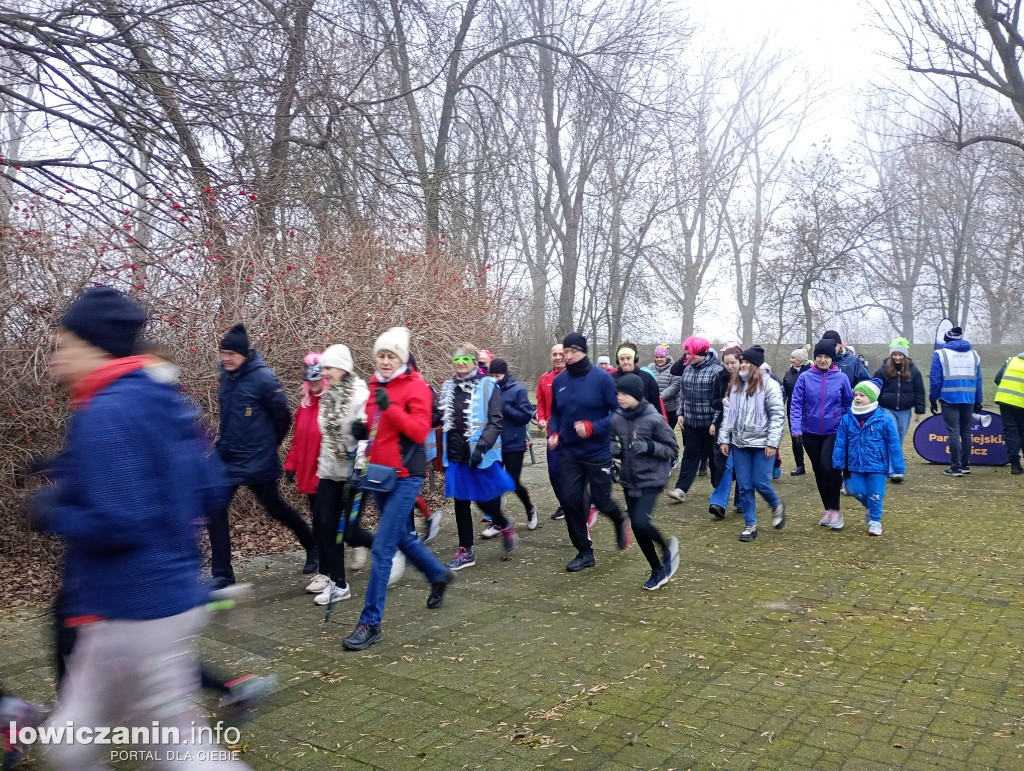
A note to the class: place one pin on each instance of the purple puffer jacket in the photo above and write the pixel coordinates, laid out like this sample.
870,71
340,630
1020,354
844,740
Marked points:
820,399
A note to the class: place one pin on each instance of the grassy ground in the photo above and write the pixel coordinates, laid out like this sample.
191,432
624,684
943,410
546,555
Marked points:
804,649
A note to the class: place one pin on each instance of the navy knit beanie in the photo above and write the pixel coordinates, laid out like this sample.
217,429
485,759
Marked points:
107,319
630,384
576,341
826,346
236,340
498,367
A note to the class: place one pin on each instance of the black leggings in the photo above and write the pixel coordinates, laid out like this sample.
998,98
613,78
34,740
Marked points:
798,452
464,518
513,462
647,535
829,480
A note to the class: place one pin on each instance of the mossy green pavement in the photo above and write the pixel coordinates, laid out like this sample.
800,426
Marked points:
803,649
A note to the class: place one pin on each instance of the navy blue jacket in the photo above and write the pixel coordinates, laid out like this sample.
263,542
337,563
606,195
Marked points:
518,412
590,396
130,489
851,366
254,420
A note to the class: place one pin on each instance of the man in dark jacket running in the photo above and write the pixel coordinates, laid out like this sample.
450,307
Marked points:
581,413
254,420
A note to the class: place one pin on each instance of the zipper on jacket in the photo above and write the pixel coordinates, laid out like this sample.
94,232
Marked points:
821,419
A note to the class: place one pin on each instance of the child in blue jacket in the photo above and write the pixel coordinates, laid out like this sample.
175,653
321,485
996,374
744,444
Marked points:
867,446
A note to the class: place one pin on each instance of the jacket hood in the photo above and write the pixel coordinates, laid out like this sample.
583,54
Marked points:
958,345
508,382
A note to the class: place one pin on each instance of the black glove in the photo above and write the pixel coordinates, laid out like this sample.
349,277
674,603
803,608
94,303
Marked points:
381,397
934,407
477,458
39,465
290,477
642,447
359,431
846,473
977,407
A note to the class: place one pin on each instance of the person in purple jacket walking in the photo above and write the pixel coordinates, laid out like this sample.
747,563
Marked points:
821,397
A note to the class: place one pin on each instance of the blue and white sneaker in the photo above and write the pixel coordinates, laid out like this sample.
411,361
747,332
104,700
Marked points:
464,558
657,579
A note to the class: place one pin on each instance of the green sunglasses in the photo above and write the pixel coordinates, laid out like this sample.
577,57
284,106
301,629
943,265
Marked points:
462,360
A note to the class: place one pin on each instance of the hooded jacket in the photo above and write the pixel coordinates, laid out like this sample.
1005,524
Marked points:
646,471
747,432
254,420
899,394
851,366
868,448
517,411
820,399
962,386
669,385
129,491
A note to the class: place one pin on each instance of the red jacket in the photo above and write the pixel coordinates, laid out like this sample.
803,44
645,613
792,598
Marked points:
544,383
403,426
305,452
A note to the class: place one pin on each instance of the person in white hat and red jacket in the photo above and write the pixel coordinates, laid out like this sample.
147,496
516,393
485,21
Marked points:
399,414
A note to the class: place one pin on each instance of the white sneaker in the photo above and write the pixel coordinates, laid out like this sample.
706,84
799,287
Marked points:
837,522
531,518
490,532
874,528
333,593
826,520
359,556
779,516
318,584
677,495
397,568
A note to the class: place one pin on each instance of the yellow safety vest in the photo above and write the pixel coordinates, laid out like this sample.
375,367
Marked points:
1011,385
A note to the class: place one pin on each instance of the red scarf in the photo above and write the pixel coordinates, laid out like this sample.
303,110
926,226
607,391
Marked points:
90,385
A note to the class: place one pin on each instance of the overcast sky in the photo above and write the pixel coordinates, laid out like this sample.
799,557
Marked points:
836,41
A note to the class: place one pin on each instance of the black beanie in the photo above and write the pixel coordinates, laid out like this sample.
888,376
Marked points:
826,346
831,334
630,384
575,341
237,340
956,333
107,319
754,354
498,367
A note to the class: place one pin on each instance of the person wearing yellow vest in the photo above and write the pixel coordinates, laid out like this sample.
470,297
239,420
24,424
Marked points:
956,382
1010,398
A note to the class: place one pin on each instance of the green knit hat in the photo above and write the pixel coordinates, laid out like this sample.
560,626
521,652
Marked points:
900,345
870,388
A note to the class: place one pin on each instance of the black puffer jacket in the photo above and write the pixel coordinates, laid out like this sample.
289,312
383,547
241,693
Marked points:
648,470
789,381
899,394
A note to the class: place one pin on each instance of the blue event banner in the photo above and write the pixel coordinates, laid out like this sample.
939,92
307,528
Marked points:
987,446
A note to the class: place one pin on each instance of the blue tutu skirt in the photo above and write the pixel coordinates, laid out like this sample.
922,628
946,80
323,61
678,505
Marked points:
476,484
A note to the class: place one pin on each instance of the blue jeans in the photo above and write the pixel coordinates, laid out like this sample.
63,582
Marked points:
958,419
720,495
902,420
869,489
393,534
753,472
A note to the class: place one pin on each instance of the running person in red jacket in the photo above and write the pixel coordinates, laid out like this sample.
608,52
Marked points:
301,462
399,416
544,418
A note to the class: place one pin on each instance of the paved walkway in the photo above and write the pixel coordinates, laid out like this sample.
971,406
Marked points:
804,649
